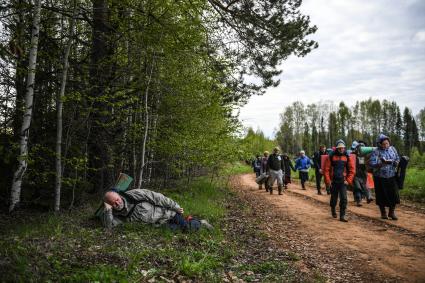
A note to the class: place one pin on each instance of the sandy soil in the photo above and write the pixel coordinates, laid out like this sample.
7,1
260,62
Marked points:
366,249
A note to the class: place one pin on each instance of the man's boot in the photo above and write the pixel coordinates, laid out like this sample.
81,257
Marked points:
260,187
303,186
271,190
267,188
358,203
383,212
279,188
333,211
319,191
342,217
391,213
328,190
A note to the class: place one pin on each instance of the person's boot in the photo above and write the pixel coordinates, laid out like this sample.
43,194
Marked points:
328,190
279,188
303,186
369,200
267,188
271,190
383,212
358,203
260,187
333,211
319,192
391,213
342,217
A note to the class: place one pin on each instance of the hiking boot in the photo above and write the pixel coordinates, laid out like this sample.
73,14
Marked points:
279,188
358,204
267,188
369,200
319,192
328,190
271,190
205,224
333,211
383,213
303,186
391,214
342,218
260,187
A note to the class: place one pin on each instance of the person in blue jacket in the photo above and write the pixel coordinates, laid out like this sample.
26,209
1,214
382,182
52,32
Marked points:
384,160
303,164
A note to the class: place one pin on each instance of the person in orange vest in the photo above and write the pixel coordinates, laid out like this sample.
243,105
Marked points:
339,173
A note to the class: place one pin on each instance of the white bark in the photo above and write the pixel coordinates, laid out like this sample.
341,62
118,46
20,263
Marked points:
29,97
145,137
59,103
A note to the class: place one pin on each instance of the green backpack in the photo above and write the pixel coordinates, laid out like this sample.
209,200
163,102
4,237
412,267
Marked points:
122,185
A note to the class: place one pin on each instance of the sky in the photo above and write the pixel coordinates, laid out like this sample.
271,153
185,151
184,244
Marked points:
367,49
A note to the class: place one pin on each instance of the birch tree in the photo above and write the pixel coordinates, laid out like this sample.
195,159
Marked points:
29,97
59,103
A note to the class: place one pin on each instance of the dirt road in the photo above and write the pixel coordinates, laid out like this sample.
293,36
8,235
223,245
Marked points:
364,249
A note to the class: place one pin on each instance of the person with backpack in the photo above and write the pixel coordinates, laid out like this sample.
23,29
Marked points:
145,206
384,161
263,171
339,173
317,160
303,164
275,167
287,169
256,165
360,187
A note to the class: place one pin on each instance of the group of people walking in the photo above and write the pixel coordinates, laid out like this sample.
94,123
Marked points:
340,169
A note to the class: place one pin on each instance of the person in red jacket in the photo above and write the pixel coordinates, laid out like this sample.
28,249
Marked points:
339,172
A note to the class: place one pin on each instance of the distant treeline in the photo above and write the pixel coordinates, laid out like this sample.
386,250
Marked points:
307,126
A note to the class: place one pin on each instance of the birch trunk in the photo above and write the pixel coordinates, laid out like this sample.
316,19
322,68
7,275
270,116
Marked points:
29,97
145,137
58,181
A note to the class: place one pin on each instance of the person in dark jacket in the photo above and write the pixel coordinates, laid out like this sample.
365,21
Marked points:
303,164
256,165
263,170
339,173
287,169
275,167
384,160
317,162
360,188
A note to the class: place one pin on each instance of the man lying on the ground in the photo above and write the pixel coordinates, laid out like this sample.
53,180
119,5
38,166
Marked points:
147,207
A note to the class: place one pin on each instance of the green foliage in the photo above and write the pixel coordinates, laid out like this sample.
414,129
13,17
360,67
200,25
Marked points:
414,186
255,143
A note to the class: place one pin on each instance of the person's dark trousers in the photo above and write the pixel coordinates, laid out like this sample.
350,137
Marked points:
339,190
357,194
318,180
303,178
178,222
257,174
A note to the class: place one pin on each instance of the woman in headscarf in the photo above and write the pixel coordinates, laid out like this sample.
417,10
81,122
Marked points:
384,161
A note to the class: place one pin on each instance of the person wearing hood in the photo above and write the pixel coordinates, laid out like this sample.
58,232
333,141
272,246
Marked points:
275,166
384,160
303,164
339,173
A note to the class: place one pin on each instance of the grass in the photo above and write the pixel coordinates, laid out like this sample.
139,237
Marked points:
73,247
414,185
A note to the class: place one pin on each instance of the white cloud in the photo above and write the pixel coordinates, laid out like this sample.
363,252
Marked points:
366,49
